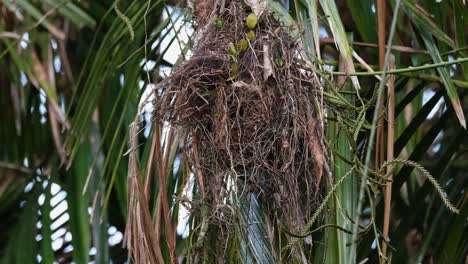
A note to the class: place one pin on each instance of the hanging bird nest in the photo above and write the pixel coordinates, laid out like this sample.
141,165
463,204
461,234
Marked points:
253,113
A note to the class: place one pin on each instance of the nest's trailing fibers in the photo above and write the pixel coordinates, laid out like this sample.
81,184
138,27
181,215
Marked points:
253,112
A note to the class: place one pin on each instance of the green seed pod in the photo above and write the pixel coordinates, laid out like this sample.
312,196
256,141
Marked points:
279,62
251,35
218,23
251,21
232,49
242,45
234,69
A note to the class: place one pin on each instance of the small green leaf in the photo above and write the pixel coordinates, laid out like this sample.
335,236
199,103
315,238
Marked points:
234,69
218,23
279,62
242,45
251,35
251,21
232,49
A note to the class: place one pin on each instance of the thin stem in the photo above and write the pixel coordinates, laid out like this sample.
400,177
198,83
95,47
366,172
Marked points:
422,76
435,78
390,154
402,70
372,135
397,48
11,166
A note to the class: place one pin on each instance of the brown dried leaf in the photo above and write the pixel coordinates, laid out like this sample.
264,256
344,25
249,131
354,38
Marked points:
140,236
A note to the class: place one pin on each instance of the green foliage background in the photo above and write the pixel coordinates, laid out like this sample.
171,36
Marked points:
72,76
